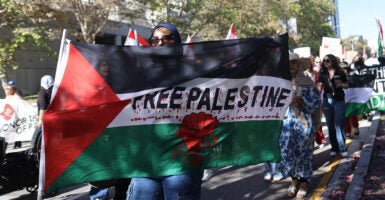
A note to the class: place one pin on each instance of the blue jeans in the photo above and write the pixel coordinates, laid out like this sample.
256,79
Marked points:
269,167
99,193
334,111
182,186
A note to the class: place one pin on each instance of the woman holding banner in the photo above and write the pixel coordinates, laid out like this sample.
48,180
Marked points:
179,186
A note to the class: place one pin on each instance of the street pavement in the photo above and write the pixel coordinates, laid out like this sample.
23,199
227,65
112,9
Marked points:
246,182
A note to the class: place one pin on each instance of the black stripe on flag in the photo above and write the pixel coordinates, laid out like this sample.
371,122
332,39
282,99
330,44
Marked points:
138,68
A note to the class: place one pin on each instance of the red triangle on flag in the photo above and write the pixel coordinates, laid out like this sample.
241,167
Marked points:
231,34
131,39
84,105
142,41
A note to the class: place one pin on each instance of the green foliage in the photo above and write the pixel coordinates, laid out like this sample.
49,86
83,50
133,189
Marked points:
211,19
356,43
312,16
22,28
24,20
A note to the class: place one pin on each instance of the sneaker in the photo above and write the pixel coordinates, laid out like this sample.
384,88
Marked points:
277,177
344,154
370,117
267,176
321,146
207,174
333,153
357,133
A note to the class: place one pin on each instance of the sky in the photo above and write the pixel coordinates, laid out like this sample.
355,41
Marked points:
357,17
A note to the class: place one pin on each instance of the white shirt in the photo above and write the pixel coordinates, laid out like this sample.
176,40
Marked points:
372,61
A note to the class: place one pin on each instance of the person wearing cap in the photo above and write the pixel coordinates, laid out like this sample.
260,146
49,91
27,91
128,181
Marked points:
44,97
43,100
297,140
178,186
333,81
11,91
373,60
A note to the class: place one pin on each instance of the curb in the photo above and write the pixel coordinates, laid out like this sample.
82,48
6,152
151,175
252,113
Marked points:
347,181
356,187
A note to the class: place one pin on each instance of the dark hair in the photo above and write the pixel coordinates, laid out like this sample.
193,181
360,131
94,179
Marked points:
174,31
333,60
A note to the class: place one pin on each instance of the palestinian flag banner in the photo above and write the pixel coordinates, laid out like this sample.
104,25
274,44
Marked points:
128,111
376,102
358,94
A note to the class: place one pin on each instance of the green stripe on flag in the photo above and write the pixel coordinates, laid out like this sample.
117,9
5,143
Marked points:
375,102
356,109
155,150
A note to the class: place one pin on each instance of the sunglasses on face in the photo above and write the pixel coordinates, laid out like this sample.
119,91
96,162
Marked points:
166,40
326,61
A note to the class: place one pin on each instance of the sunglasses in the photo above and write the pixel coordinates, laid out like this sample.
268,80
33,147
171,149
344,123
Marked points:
326,61
166,40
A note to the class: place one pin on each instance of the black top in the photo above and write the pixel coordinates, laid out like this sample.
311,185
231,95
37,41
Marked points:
43,99
330,89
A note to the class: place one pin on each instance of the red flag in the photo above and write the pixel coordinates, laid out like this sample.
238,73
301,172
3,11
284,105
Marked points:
134,39
231,34
189,39
131,39
142,41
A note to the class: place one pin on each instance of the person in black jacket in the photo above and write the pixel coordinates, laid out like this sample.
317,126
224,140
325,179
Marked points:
332,80
43,101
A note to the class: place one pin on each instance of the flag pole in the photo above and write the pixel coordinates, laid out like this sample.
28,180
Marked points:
136,38
42,152
61,46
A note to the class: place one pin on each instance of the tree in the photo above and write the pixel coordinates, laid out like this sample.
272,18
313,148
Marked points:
356,43
206,19
312,22
182,13
211,19
86,19
250,18
22,27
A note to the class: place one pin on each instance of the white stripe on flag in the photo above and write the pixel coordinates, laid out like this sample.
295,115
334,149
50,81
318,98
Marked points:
143,116
358,95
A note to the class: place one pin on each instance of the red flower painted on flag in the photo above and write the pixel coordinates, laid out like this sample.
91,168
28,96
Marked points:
7,112
194,129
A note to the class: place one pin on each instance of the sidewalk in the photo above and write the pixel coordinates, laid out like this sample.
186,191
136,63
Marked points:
348,180
374,184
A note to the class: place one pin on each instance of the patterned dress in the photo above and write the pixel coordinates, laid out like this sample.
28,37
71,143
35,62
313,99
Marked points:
296,140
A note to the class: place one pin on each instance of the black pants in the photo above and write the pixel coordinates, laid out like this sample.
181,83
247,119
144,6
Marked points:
35,139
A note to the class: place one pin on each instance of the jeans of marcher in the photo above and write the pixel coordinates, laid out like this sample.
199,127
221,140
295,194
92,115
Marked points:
269,167
334,111
182,186
97,193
